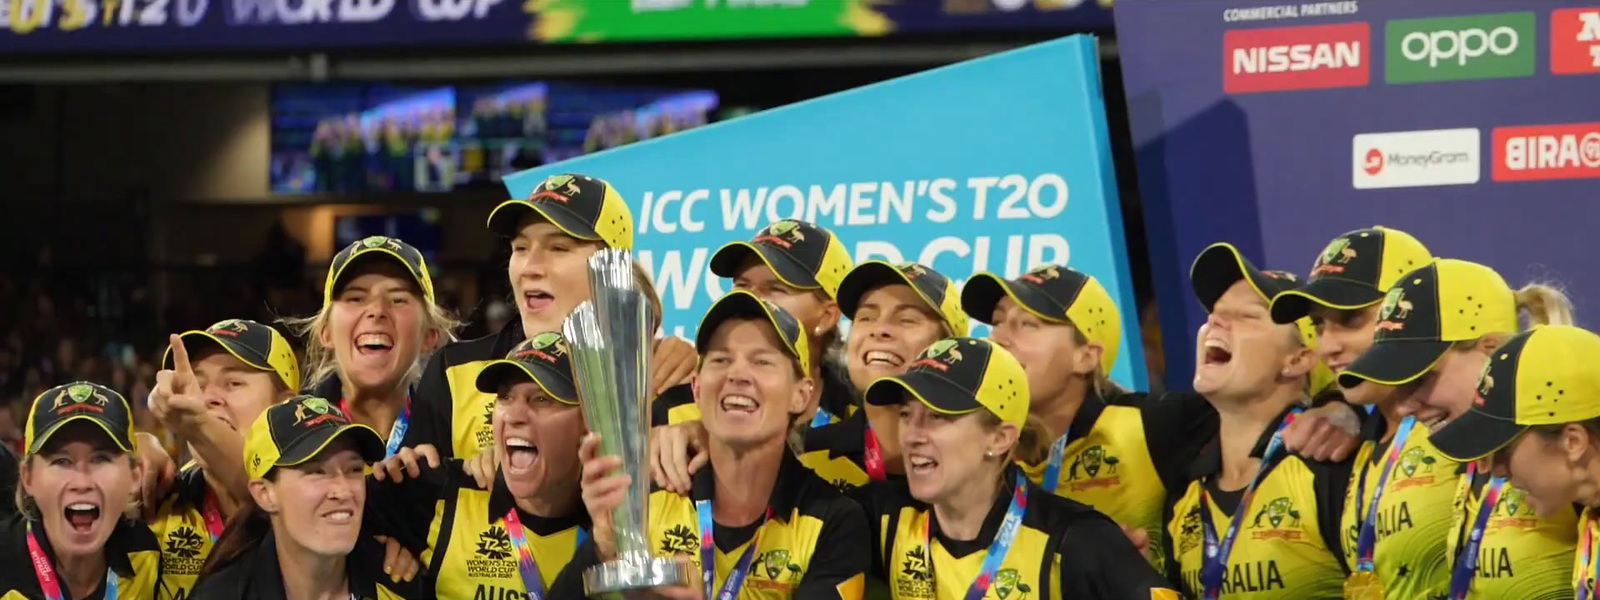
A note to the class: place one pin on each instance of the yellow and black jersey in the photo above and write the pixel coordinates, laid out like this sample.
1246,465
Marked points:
256,575
1412,527
447,410
1062,549
131,554
1522,555
471,548
1126,453
1287,545
813,545
676,405
185,533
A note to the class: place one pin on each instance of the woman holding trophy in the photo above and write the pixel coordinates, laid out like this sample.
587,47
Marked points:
756,522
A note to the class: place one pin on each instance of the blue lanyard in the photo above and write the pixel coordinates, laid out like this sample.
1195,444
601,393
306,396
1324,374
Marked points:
1052,470
1002,539
1467,560
708,555
1368,539
397,432
1214,563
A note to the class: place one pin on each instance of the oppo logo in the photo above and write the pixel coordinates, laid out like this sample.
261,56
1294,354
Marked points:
1459,46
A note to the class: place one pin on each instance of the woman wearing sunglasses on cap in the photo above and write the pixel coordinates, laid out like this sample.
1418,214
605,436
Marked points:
238,368
1535,421
299,534
551,236
757,523
378,323
511,540
966,521
78,474
895,311
795,265
1435,334
1116,450
1255,521
1397,508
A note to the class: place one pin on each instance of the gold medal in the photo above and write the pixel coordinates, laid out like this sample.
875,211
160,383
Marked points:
1363,585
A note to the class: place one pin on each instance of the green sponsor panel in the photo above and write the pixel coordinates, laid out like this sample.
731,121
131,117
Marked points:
638,20
1493,46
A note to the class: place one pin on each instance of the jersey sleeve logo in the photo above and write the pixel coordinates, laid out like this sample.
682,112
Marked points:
681,540
1189,531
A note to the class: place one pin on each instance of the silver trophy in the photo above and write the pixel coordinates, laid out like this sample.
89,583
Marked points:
610,337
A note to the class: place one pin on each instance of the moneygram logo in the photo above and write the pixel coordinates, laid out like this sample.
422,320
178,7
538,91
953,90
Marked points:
1569,151
1467,47
1575,41
1296,58
1415,158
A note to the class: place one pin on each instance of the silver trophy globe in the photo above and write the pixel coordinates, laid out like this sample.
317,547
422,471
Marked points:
610,337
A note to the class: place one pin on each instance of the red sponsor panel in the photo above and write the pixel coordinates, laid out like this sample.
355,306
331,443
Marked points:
1534,152
1296,58
1575,41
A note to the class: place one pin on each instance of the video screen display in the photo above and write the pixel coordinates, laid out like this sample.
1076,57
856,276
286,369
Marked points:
381,138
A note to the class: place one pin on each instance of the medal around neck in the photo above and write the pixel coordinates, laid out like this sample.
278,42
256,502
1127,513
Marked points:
1363,585
610,337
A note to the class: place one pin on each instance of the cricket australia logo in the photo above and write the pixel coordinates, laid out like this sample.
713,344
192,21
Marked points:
785,234
940,356
492,558
547,347
80,397
1415,469
1334,257
1007,582
1395,310
1042,274
1086,469
560,188
1279,518
778,568
316,411
230,328
914,579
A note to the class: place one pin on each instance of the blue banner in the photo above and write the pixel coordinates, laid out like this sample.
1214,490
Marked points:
1277,126
1000,163
87,26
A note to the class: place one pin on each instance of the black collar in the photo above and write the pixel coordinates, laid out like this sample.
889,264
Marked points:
1088,413
266,579
838,395
116,549
785,494
1209,461
507,338
991,522
1374,427
191,487
846,438
502,502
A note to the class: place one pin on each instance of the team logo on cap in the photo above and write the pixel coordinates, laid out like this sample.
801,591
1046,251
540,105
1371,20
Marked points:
80,397
913,270
546,346
1485,384
315,411
939,356
785,233
560,188
1282,275
378,241
1334,257
230,328
1395,309
1040,274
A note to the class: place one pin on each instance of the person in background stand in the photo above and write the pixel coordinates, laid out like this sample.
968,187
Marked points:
77,477
239,368
1396,517
1258,374
300,533
966,522
552,234
799,267
378,322
1536,422
763,525
1436,332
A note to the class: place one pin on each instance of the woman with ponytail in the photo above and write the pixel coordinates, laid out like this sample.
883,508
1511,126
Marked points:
966,518
1436,332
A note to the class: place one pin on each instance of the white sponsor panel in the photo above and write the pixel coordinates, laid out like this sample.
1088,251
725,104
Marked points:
1415,158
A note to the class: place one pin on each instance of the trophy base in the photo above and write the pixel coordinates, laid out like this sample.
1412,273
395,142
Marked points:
609,580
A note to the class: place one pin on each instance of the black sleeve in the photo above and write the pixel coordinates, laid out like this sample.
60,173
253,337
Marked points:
8,480
1099,563
675,396
431,410
404,510
871,499
1176,426
1330,482
368,558
841,558
569,583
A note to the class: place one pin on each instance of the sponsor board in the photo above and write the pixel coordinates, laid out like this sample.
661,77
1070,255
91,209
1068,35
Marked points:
1296,58
1575,41
1415,158
1535,152
1466,47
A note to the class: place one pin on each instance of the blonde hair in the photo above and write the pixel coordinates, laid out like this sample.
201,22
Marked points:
321,363
642,280
1033,438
